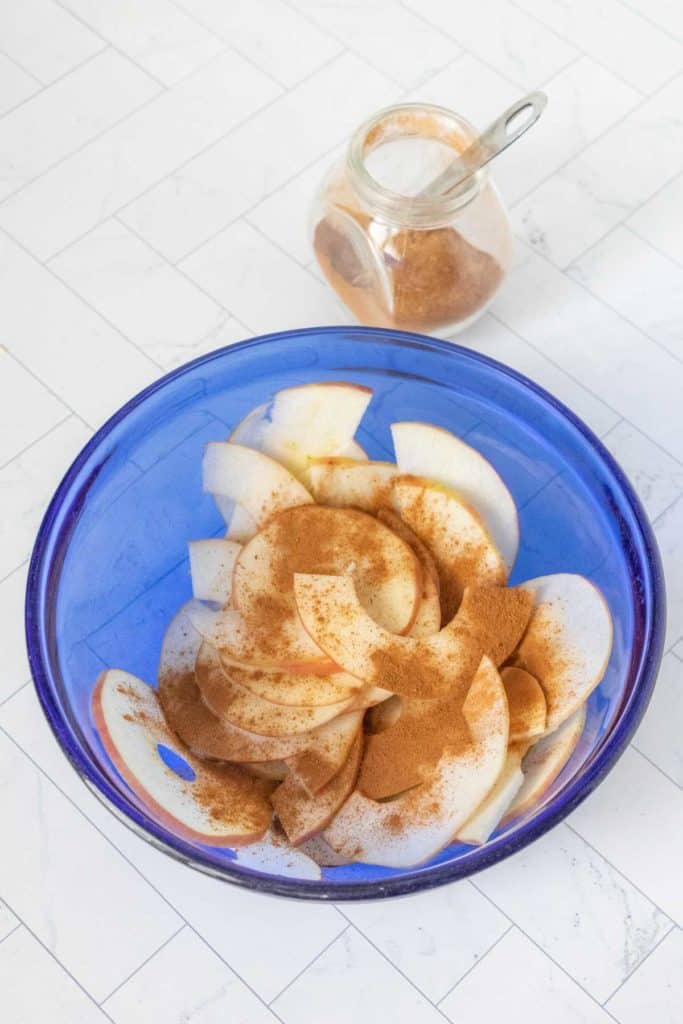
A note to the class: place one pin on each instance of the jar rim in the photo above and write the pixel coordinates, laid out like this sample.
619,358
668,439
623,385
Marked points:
396,206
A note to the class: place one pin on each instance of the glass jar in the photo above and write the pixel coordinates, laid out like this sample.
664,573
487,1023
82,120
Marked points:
400,259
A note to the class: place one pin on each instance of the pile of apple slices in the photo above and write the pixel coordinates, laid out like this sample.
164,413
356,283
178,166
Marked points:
353,612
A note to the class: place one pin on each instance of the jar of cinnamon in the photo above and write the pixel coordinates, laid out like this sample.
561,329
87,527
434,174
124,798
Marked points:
397,258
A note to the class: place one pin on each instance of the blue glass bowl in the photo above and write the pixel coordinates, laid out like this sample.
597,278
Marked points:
110,567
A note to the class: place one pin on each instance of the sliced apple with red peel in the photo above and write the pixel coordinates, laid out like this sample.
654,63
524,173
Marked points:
298,689
455,534
432,452
568,643
305,422
231,703
326,753
346,483
526,702
483,823
428,618
251,479
211,565
220,806
344,542
413,828
490,621
544,762
302,815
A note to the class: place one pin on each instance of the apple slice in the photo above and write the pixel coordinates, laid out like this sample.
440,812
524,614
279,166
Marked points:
544,762
274,855
211,566
490,621
241,526
219,806
298,689
414,827
568,643
320,851
383,715
352,450
251,479
326,753
428,618
429,451
345,483
342,541
526,701
231,703
302,815
271,771
483,823
454,533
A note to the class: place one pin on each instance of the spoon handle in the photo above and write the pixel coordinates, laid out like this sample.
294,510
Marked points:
505,130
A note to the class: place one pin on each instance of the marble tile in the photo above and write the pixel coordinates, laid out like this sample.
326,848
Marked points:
44,39
349,982
469,86
35,988
517,46
575,207
110,171
634,819
207,193
150,302
27,409
668,533
594,344
270,33
566,897
62,118
155,34
434,937
240,267
75,892
655,475
63,342
186,983
517,983
659,734
658,220
387,35
8,922
639,282
26,486
607,30
16,85
14,669
655,991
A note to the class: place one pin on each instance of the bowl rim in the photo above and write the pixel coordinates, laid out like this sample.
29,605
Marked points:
652,598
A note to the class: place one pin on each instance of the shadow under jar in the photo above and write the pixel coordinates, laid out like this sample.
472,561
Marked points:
397,258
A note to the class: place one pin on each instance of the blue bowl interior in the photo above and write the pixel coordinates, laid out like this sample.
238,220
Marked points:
110,566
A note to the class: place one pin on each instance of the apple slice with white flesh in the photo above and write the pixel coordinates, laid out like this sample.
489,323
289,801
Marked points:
428,618
568,643
320,851
211,565
416,826
297,689
352,450
483,823
241,526
428,451
274,855
305,422
216,805
302,815
455,534
490,621
326,753
526,701
343,541
346,483
231,703
251,479
543,763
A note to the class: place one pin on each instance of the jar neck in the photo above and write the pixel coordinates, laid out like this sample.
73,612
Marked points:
411,121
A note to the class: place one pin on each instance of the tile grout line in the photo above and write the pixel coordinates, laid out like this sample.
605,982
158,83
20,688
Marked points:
128,861
636,969
634,744
16,927
511,926
8,698
655,24
36,440
45,87
143,964
660,515
13,60
309,964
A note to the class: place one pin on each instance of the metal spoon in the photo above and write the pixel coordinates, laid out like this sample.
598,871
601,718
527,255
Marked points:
505,130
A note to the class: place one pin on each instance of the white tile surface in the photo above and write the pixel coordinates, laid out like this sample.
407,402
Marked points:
517,983
434,937
155,34
186,983
27,409
45,39
8,922
659,734
16,85
352,982
656,991
14,670
35,988
634,818
668,532
578,908
658,222
655,475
